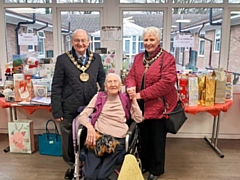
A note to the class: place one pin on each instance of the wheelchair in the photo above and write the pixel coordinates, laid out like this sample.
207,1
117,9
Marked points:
131,147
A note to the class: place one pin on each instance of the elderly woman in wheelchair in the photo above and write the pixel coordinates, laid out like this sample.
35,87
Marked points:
105,141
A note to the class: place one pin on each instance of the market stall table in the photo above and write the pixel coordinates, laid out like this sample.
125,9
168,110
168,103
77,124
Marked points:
215,111
13,110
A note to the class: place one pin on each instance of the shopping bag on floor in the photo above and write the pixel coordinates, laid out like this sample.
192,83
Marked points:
130,169
21,136
50,143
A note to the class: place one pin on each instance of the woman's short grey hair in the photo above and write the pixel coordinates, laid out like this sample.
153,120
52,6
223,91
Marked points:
113,74
152,30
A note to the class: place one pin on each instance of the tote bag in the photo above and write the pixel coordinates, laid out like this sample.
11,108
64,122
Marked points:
50,143
21,137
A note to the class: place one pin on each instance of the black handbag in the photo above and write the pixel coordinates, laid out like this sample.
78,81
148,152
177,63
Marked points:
175,119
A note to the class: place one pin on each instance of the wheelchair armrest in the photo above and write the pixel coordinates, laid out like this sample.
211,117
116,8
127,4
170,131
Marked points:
131,136
132,128
81,127
81,130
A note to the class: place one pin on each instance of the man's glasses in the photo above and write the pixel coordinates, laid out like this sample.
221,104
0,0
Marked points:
83,41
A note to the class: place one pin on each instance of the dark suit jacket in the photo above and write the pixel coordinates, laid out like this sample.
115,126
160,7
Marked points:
68,91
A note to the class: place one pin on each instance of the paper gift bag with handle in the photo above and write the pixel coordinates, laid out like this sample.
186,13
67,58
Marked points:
220,90
23,90
50,143
21,136
229,85
209,93
130,169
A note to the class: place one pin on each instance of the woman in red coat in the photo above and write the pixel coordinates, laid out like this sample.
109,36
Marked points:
152,76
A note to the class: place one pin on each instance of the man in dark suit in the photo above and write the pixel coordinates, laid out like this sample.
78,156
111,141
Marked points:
75,79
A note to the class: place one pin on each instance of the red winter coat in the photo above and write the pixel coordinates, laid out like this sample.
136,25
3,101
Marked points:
155,87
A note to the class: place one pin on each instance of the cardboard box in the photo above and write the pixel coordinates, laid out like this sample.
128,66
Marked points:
21,136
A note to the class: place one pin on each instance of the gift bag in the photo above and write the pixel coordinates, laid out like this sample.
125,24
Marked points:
192,90
208,94
183,88
21,136
201,89
50,143
23,90
130,169
220,91
229,85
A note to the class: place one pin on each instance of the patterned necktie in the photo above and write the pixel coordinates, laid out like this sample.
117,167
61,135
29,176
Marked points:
81,60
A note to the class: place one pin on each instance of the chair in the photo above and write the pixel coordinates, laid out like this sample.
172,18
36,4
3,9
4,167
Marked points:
131,147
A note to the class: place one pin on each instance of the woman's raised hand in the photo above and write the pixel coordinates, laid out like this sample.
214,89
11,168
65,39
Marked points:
132,92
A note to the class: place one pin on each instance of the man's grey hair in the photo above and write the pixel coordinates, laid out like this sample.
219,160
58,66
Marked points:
113,74
73,34
152,30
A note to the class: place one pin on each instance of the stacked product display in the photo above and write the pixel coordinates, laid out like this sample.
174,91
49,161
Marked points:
205,88
30,78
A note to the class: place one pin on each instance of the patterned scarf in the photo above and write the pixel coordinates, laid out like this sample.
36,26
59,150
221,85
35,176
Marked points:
147,57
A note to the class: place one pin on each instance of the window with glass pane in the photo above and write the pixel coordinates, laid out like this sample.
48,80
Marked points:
234,46
38,22
127,47
234,1
68,43
28,1
202,27
80,1
30,48
201,45
171,46
140,44
96,44
143,1
134,48
217,40
133,25
74,20
197,1
41,48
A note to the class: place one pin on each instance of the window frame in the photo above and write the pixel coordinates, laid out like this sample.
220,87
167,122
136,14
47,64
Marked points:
217,40
200,48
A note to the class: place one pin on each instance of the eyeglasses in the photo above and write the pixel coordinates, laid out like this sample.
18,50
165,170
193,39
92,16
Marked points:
83,41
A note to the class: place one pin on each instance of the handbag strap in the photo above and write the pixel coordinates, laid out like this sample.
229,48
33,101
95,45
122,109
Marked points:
55,125
178,89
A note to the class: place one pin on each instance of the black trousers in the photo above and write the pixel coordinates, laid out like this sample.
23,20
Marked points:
67,141
153,143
